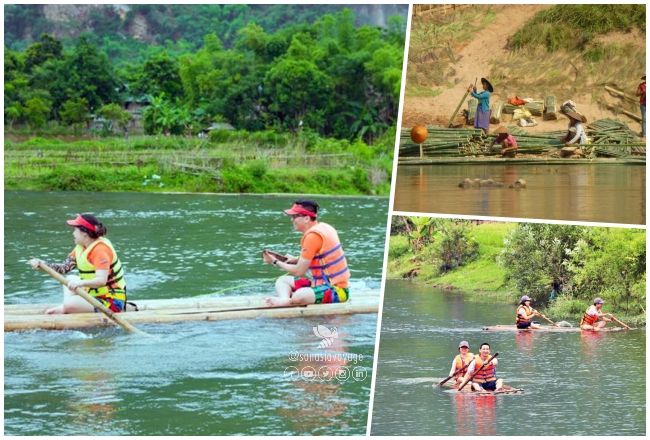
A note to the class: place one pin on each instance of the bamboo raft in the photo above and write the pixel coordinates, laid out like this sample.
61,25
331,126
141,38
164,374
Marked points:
546,328
31,317
610,139
505,389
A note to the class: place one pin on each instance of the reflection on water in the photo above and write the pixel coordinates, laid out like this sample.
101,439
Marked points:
585,192
566,377
193,378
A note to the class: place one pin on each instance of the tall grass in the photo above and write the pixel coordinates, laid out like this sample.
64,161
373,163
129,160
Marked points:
573,27
435,40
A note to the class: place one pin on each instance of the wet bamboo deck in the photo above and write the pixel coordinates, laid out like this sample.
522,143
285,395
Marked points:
31,316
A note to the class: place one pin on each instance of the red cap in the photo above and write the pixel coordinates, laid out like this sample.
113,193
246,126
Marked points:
80,221
299,210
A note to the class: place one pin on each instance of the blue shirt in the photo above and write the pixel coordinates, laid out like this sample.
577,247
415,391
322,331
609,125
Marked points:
483,99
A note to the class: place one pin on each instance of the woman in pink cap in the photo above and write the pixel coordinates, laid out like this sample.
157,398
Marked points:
100,270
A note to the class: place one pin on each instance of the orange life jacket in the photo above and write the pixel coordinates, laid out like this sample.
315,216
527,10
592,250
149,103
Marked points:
487,374
589,319
329,265
528,310
460,363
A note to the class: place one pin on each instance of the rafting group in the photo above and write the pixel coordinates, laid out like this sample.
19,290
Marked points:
594,319
320,275
478,372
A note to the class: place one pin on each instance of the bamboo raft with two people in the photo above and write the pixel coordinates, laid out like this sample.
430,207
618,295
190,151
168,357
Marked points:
548,328
505,389
30,316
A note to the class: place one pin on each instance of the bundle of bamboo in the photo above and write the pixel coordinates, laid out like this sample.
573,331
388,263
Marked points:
495,113
550,108
611,138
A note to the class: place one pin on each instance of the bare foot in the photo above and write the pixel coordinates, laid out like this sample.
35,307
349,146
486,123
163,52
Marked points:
58,310
277,302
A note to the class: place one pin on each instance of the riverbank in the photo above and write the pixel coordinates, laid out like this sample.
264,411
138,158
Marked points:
261,164
486,279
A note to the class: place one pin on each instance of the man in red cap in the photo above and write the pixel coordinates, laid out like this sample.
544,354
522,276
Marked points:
594,319
321,254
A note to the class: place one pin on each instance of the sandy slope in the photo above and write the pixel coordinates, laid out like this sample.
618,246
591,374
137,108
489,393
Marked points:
474,61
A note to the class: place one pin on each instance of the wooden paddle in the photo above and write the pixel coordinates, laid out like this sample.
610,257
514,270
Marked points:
544,317
275,255
92,301
444,381
627,327
451,120
476,372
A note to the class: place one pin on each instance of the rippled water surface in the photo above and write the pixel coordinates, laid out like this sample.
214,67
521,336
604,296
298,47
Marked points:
591,192
192,378
575,383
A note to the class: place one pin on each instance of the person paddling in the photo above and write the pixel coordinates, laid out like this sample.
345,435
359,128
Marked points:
525,314
321,254
100,270
486,378
594,319
460,362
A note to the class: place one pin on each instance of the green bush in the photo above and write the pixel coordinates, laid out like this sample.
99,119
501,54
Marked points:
398,246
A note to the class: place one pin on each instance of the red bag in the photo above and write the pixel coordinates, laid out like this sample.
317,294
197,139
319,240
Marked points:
516,101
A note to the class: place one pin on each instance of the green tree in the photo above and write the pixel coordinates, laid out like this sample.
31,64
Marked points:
117,116
91,75
298,92
75,112
536,255
46,48
160,74
610,263
37,111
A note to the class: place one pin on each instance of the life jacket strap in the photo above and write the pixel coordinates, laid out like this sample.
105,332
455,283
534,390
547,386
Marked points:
326,253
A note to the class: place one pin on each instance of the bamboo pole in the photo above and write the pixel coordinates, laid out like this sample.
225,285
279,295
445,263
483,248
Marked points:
92,301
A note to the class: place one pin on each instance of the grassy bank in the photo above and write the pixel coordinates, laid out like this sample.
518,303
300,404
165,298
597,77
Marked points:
250,163
482,278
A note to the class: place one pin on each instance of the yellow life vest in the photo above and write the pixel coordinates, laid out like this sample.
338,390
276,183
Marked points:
528,310
460,363
329,265
115,284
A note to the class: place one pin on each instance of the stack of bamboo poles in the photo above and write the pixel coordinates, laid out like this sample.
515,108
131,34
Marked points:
440,141
611,138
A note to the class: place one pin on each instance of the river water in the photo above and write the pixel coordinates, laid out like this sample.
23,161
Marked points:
611,193
193,378
575,383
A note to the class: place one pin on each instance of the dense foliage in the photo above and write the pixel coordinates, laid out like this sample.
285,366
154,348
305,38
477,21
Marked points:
584,262
330,77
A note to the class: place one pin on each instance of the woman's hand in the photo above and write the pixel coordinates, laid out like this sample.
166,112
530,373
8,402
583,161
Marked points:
35,263
73,284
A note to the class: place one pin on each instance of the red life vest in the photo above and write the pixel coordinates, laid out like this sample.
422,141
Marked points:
329,265
487,374
589,319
